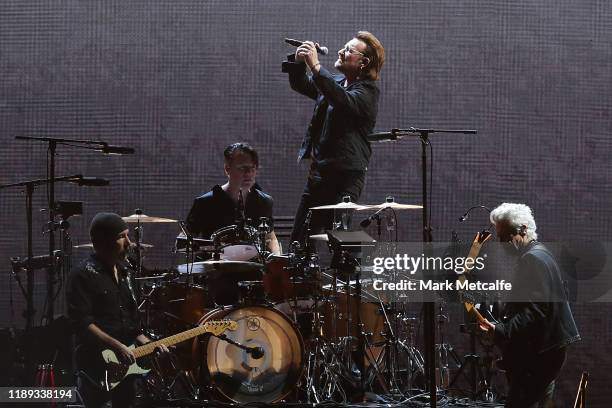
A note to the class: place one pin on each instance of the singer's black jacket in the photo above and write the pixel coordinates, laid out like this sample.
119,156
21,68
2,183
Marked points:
216,209
336,138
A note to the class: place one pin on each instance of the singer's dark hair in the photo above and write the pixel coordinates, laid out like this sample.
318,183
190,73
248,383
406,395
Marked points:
242,147
375,52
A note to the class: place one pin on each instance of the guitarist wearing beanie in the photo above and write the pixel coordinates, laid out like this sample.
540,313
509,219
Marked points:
103,310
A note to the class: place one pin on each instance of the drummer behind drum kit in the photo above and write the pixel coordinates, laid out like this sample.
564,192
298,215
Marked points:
304,333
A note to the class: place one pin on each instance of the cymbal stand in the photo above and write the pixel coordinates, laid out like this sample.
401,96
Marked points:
444,350
138,233
190,250
262,231
473,361
391,342
323,365
415,363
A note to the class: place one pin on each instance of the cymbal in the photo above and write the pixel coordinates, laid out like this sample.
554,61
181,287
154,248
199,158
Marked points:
90,245
194,268
394,205
340,206
134,218
319,237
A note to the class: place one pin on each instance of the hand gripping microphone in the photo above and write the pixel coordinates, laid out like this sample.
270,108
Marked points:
296,43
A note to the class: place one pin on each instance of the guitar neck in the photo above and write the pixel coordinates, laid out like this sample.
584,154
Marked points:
149,348
474,252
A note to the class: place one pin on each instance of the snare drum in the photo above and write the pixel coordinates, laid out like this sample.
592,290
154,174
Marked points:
238,375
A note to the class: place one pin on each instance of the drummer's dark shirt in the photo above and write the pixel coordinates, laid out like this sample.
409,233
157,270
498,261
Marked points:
216,209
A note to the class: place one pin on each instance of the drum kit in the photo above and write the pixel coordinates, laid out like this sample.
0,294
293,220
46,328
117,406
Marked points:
305,333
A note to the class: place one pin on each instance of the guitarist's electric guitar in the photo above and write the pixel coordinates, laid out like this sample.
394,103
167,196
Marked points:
479,240
115,370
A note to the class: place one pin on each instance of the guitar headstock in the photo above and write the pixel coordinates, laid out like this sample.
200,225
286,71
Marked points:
482,236
217,327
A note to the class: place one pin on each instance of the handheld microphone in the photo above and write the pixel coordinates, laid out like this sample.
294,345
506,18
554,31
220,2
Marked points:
296,43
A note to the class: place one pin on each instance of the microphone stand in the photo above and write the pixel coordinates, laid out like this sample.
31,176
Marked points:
29,185
30,312
53,142
429,311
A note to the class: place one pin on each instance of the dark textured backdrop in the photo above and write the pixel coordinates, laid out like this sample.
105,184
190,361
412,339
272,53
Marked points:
178,80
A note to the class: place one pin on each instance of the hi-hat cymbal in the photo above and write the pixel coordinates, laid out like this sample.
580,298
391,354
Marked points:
134,218
394,205
340,206
90,245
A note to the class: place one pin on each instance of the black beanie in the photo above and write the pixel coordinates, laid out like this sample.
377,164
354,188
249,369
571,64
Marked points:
106,226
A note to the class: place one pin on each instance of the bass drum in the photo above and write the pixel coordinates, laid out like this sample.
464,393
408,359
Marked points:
236,374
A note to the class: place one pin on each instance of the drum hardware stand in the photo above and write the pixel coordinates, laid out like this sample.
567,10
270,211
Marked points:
348,247
374,363
163,389
391,349
476,377
391,342
263,229
394,347
323,364
323,370
146,302
443,351
416,362
580,401
138,233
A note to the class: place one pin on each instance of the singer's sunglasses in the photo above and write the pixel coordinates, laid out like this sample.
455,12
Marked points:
352,51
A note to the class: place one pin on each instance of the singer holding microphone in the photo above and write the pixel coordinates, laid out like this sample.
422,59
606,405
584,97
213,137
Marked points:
222,206
345,113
